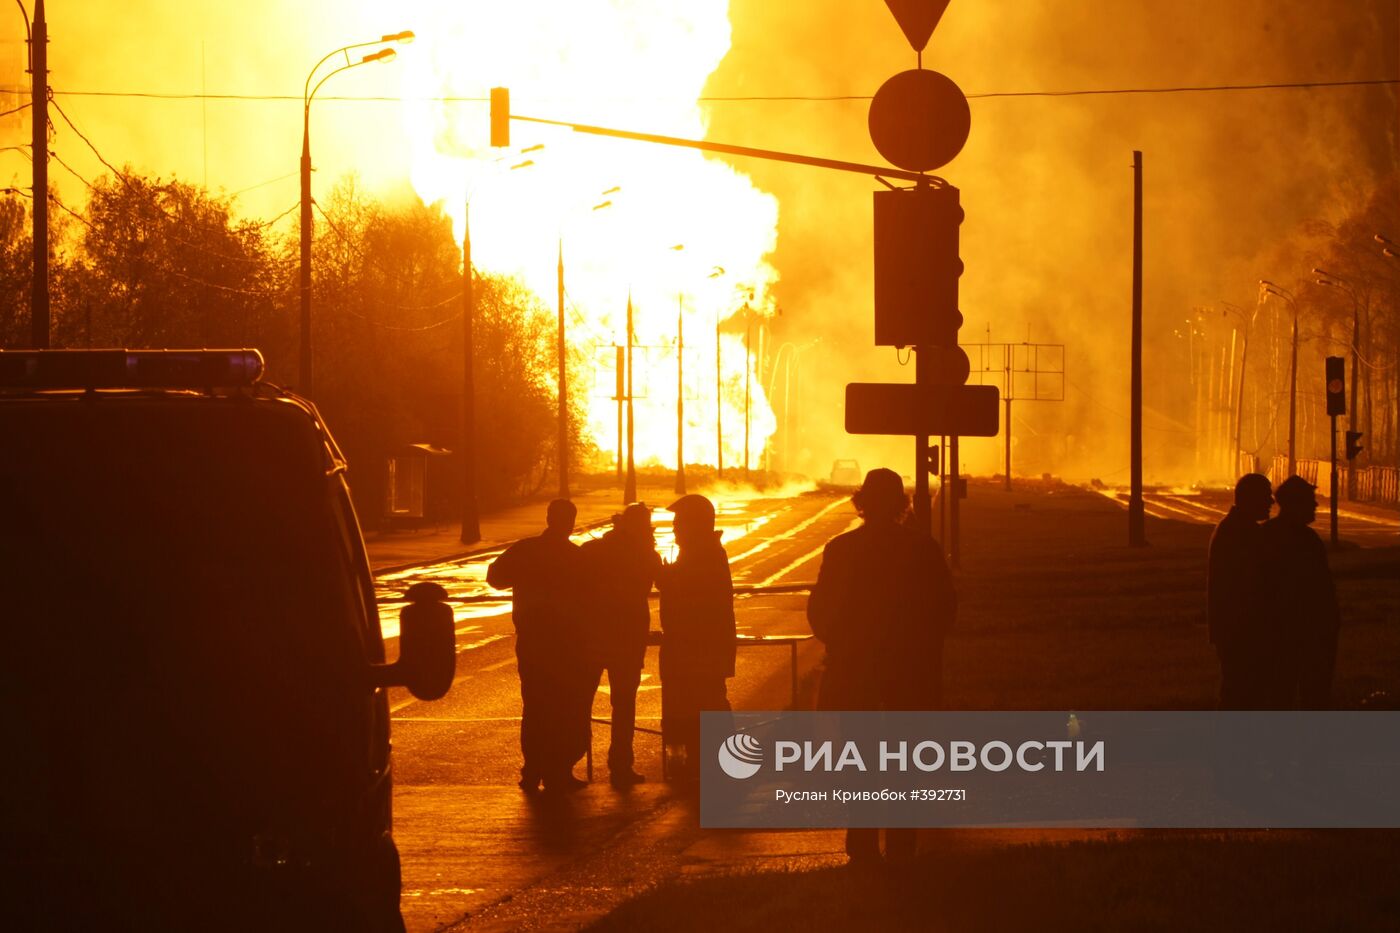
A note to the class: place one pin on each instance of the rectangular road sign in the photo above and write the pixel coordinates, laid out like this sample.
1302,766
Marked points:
905,408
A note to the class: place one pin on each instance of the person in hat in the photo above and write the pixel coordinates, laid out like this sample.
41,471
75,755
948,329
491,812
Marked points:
620,568
543,574
882,603
1301,599
697,622
1235,594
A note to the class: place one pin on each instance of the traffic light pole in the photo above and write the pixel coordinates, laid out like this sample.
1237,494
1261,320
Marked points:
954,545
1336,493
923,505
1007,484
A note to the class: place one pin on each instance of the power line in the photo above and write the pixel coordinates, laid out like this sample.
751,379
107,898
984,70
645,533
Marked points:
742,98
175,221
6,113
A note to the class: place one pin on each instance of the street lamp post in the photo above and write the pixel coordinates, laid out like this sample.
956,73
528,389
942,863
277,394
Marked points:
562,390
629,488
305,370
471,518
1269,288
715,273
680,385
1244,362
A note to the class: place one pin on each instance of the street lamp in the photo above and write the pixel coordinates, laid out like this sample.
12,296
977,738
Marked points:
1227,307
562,390
1388,247
471,519
716,273
680,385
308,93
1267,288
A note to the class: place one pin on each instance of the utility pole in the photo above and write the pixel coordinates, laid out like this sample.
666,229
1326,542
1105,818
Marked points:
1137,531
748,367
620,395
1293,398
629,489
563,390
1007,361
680,395
471,521
39,112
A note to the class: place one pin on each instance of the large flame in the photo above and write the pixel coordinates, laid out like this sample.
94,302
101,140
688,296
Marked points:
631,64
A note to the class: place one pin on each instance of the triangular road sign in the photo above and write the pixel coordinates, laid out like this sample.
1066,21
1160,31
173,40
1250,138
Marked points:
917,18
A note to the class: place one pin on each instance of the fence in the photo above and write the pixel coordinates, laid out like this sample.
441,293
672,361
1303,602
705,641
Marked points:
1378,484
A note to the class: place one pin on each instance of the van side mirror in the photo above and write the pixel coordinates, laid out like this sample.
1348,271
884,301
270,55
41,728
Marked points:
427,645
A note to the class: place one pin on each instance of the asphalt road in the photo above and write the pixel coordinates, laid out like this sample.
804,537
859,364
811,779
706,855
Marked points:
1368,528
480,854
469,837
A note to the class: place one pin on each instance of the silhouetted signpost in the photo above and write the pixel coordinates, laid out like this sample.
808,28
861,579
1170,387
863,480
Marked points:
1336,405
919,120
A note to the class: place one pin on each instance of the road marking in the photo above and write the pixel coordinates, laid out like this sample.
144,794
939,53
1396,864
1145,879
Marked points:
815,552
791,532
470,719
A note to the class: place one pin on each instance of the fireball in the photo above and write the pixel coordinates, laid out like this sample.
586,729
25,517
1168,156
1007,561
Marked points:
616,210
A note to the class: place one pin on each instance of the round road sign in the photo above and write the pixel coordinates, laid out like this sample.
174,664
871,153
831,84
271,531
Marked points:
919,120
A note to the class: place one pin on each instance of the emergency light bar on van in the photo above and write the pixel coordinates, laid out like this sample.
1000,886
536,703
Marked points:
129,369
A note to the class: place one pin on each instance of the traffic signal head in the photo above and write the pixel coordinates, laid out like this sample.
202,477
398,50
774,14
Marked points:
1353,444
917,267
500,116
1336,386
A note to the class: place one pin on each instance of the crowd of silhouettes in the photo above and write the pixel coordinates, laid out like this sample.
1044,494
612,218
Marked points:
583,610
1272,605
882,605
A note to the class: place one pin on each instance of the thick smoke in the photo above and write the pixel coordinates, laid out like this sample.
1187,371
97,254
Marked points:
1047,186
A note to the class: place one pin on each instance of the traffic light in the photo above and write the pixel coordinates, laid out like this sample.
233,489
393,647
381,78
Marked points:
917,267
1336,386
500,117
1353,444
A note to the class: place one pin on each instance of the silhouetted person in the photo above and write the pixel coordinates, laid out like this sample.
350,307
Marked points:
543,575
1301,598
697,619
882,604
1235,597
620,568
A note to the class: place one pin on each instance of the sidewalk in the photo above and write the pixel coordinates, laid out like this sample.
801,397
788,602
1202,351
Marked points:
394,549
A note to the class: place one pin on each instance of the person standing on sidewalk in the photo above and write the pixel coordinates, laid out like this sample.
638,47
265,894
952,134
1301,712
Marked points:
882,604
620,568
1235,596
697,624
543,575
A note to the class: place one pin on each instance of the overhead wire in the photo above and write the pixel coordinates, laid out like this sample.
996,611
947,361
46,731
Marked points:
744,98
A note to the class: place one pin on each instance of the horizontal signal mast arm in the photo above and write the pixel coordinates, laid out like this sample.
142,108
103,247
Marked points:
769,154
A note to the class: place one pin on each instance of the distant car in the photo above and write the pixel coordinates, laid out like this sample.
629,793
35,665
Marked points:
846,474
193,681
